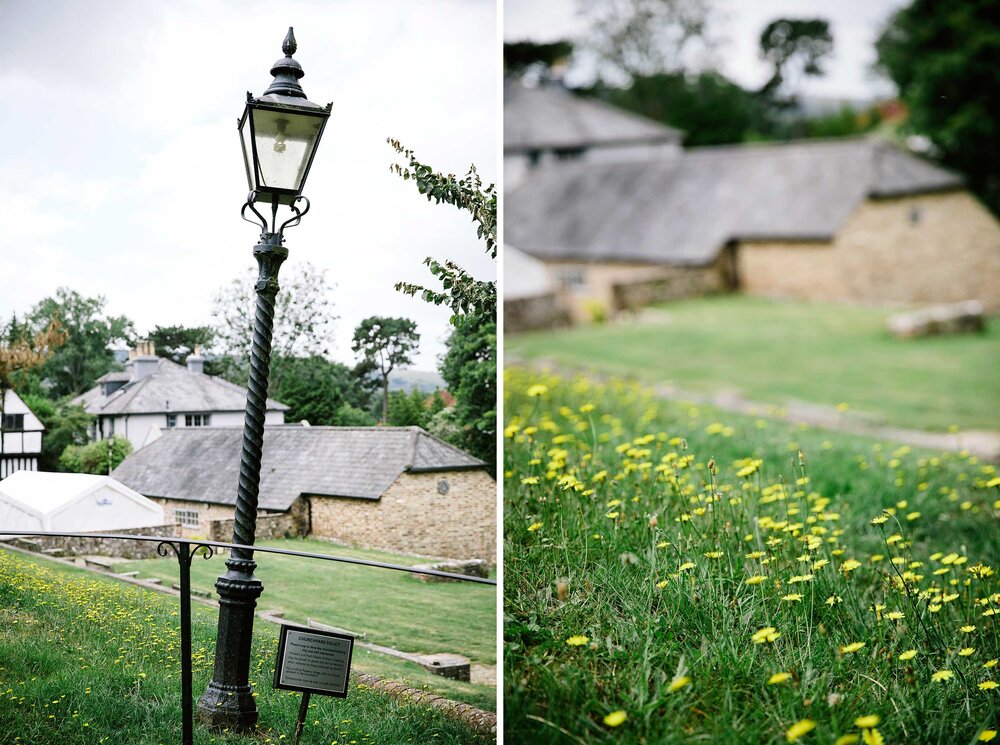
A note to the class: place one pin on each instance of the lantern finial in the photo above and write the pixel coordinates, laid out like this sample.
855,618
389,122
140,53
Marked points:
287,71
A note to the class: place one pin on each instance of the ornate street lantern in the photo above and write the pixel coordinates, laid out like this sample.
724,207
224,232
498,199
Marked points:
280,132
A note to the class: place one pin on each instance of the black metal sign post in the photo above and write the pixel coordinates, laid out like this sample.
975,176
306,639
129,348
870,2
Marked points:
312,661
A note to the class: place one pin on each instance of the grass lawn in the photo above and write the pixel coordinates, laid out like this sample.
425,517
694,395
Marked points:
776,351
674,575
392,608
85,660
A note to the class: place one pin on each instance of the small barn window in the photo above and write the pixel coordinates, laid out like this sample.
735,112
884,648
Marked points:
186,518
171,421
197,420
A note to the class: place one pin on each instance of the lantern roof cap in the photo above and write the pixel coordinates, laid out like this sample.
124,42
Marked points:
287,71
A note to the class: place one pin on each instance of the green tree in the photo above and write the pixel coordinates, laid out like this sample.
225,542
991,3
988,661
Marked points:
473,302
644,37
303,321
408,409
385,344
789,43
90,333
65,425
469,367
529,57
943,58
324,393
709,108
99,457
178,342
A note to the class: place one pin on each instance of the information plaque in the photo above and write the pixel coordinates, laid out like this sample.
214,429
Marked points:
313,661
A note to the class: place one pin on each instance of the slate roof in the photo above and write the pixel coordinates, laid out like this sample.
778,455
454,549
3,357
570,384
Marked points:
551,117
186,392
684,210
202,464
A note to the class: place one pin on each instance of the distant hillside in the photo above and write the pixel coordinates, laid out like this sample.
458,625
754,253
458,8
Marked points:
427,381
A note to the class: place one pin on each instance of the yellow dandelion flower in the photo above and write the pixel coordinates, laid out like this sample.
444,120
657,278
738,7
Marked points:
679,683
756,579
833,600
872,737
793,597
895,615
714,554
534,526
661,584
908,654
615,718
800,728
967,629
778,678
578,640
850,565
663,544
530,480
990,663
766,634
537,390
685,566
880,519
987,735
988,685
966,652
612,515
852,647
848,739
942,675
866,722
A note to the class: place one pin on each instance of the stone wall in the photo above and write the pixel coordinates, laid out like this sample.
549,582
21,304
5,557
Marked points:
531,313
926,249
102,546
293,523
617,286
413,517
207,514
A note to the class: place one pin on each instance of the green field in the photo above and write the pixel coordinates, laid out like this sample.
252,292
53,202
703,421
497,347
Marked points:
86,660
775,352
674,574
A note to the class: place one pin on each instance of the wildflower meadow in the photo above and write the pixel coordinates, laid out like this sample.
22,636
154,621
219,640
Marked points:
673,574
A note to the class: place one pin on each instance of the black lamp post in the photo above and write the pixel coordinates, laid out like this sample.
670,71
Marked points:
280,132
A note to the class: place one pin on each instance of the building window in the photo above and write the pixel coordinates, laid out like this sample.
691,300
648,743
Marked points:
186,518
569,153
572,280
197,420
13,422
171,421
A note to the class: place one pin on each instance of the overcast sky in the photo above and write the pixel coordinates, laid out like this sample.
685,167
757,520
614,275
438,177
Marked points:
737,25
122,172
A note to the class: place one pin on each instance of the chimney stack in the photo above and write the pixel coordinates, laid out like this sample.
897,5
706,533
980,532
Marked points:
196,362
144,360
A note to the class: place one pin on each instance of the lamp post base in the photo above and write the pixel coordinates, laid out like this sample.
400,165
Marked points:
228,701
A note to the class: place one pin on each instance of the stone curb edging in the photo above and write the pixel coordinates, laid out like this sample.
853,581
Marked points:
483,721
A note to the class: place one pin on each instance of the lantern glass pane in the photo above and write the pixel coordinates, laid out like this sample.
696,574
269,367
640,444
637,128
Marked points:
284,141
247,152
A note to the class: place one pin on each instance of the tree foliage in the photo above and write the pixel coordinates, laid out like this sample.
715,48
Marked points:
98,457
88,337
709,108
474,308
178,342
303,321
65,425
644,37
324,393
413,409
469,368
943,58
524,57
385,344
460,291
789,43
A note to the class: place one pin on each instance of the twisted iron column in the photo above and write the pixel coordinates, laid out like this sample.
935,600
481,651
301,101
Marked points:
228,700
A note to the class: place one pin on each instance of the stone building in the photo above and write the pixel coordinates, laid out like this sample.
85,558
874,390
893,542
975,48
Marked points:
394,488
154,394
853,219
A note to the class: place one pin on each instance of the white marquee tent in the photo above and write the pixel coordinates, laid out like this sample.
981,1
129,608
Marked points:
36,501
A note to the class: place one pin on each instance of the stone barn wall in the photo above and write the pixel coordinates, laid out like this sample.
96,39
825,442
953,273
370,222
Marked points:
926,249
413,517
